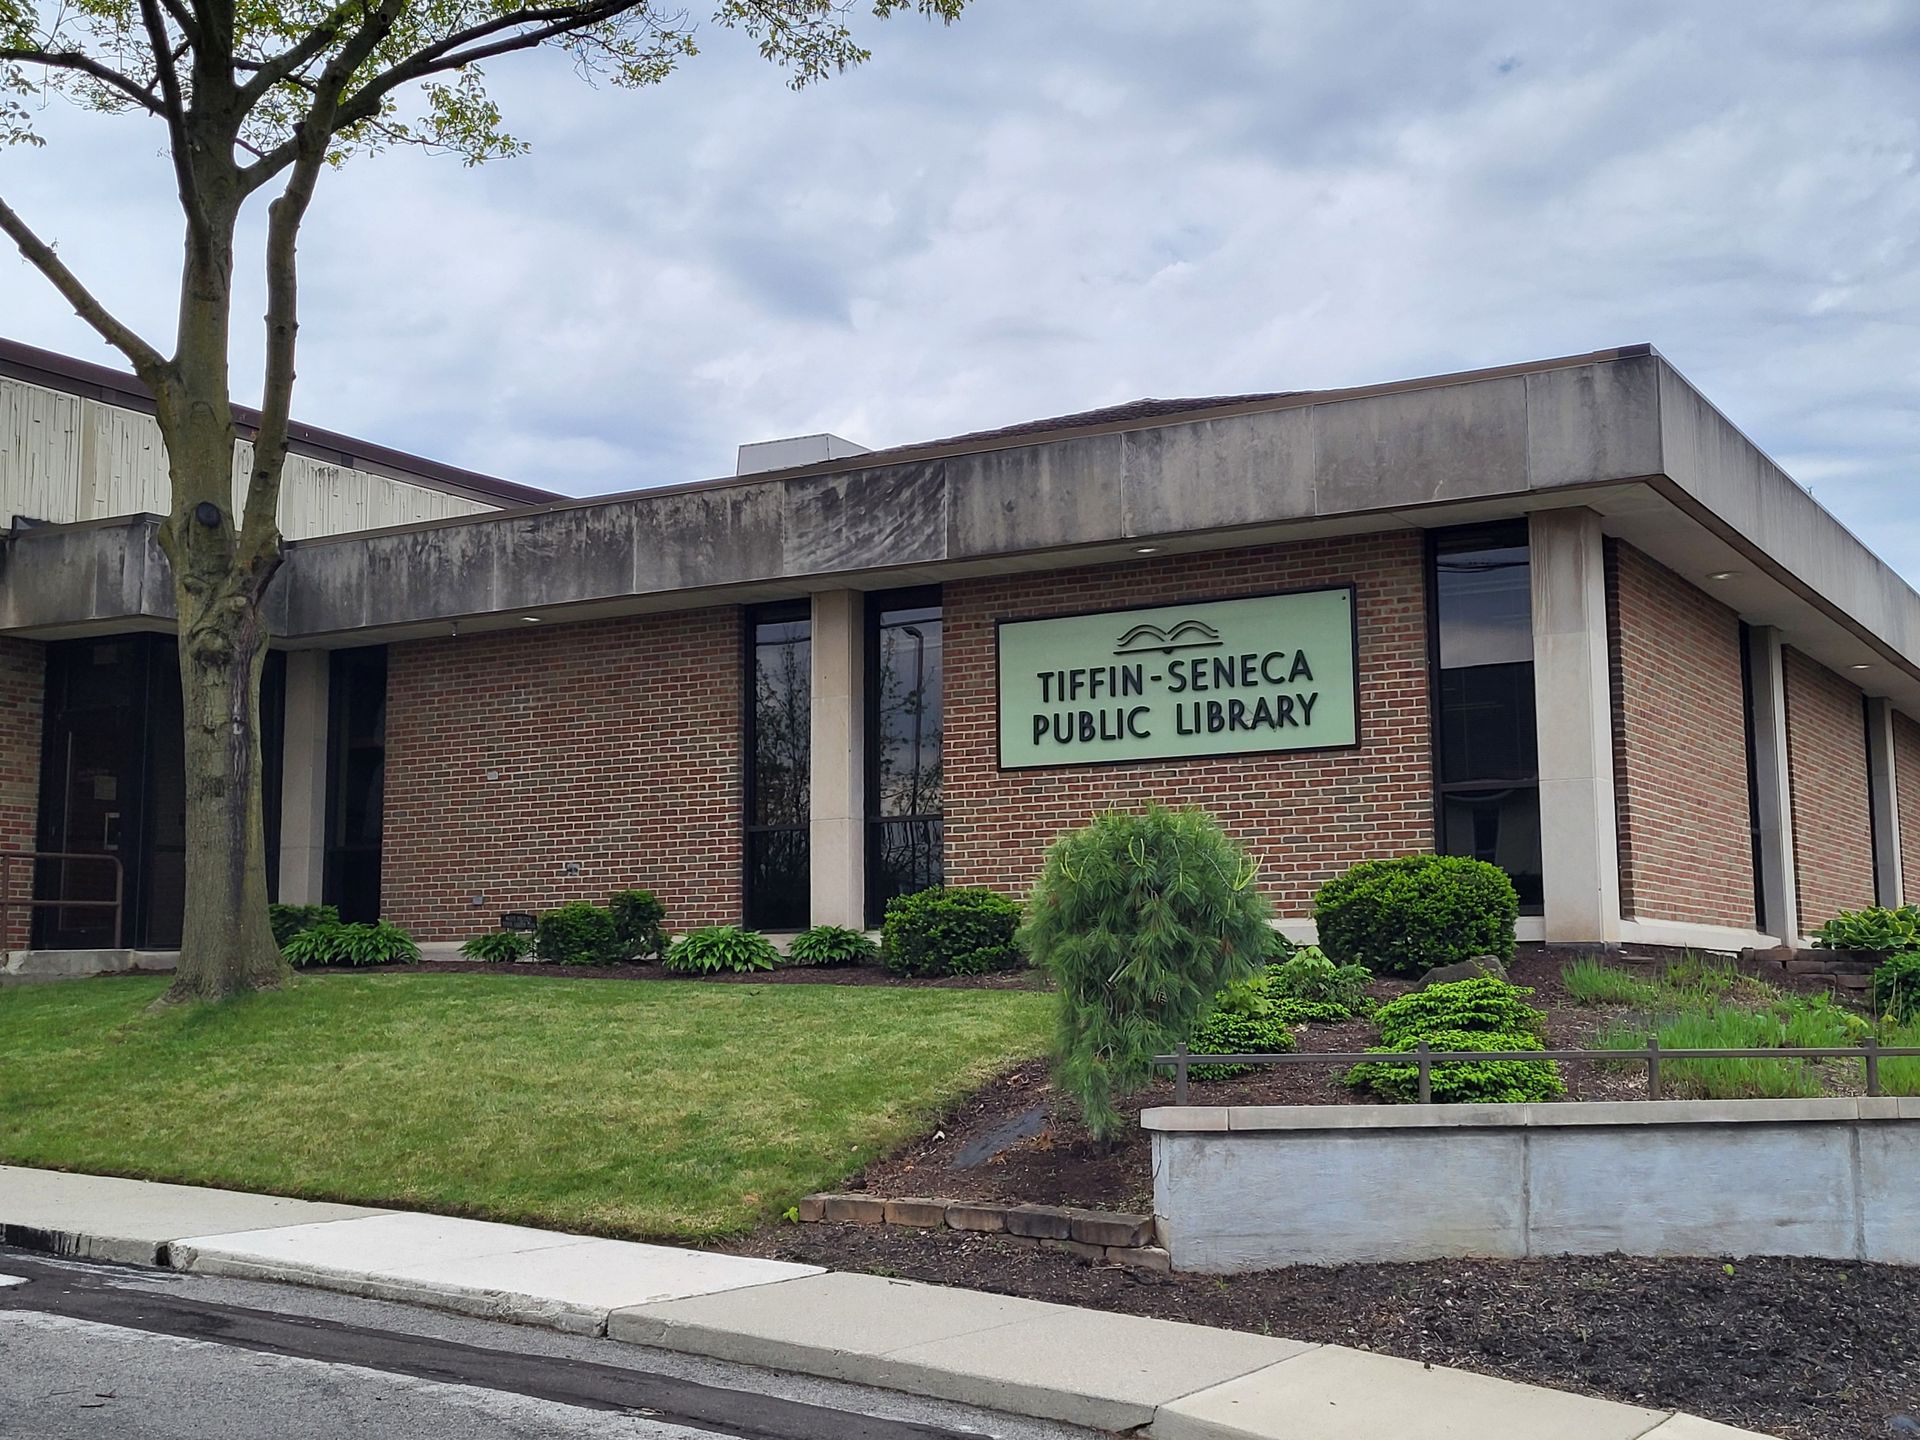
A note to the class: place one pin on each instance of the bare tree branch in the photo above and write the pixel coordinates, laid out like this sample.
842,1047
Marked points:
86,65
174,110
146,361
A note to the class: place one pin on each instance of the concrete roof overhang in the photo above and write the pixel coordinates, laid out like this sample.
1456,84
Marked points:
1618,431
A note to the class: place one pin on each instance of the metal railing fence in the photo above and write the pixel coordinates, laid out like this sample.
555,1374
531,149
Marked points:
9,902
1872,1052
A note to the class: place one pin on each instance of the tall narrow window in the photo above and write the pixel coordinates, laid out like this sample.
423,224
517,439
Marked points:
1486,747
904,836
779,765
356,780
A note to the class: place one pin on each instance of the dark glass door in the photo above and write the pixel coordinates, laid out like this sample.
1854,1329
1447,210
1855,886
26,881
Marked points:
92,782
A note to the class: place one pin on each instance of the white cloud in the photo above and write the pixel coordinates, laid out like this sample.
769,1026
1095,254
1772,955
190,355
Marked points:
1055,206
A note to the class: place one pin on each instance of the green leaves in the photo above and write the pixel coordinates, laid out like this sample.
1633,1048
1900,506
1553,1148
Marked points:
721,947
1408,914
831,945
1140,919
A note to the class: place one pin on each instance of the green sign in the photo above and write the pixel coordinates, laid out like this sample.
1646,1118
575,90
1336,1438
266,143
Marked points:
1223,677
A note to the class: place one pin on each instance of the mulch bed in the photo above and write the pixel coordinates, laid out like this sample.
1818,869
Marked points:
1059,1164
784,975
1802,1349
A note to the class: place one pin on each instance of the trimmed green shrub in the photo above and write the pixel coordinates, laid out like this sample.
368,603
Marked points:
331,943
578,933
831,945
1407,915
639,922
1874,928
721,947
288,921
499,947
1226,1032
1307,1012
1310,975
1896,987
950,932
1479,1003
1141,919
1469,1082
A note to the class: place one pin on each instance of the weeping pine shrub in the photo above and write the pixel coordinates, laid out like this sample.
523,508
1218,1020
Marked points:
1140,919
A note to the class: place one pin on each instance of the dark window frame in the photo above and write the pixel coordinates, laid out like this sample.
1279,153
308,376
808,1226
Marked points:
1499,534
781,612
875,824
338,852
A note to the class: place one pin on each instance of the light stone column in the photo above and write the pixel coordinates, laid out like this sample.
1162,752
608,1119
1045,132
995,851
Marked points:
1887,859
1772,784
837,826
1579,840
303,779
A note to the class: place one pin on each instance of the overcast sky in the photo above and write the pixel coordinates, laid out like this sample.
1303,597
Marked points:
1059,204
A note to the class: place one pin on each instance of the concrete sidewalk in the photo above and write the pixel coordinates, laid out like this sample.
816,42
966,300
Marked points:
1051,1362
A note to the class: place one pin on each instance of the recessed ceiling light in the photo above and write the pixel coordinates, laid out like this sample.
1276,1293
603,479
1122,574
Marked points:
1146,549
1860,667
530,619
1723,575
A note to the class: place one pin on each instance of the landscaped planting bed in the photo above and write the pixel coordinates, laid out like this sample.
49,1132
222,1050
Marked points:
1802,1349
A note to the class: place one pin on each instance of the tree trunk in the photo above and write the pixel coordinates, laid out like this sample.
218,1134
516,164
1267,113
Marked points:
221,567
226,944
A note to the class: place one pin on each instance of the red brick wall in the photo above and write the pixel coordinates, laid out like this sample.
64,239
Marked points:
1679,747
1906,780
616,744
1827,764
1305,817
22,694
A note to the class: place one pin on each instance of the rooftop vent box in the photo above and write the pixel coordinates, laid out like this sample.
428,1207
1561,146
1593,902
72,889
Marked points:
765,455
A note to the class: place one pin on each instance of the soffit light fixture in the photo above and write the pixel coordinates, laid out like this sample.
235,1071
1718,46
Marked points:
1860,667
1723,574
1146,549
529,619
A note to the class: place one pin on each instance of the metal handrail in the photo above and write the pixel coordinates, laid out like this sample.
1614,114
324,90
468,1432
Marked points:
1872,1051
9,902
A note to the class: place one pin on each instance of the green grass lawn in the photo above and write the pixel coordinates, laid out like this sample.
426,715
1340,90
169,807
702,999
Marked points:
649,1110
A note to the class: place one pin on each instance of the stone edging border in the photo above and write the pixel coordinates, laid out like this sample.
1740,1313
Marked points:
1107,1236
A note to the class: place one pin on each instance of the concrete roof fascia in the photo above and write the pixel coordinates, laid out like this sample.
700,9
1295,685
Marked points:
1518,437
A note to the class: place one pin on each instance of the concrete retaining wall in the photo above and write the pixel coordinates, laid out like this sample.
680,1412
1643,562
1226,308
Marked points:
1251,1188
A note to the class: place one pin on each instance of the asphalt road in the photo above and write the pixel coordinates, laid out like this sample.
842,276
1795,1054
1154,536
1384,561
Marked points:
90,1351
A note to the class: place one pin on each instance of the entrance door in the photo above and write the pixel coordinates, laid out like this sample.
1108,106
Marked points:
92,788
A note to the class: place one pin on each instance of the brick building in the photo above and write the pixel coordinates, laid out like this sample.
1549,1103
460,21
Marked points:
1562,616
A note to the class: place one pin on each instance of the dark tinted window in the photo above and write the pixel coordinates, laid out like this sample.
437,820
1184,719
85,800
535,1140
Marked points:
356,780
1486,743
780,766
904,733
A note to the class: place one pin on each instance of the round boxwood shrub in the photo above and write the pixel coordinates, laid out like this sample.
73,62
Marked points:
716,948
578,933
1141,920
950,932
1468,1082
639,920
1407,915
831,945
